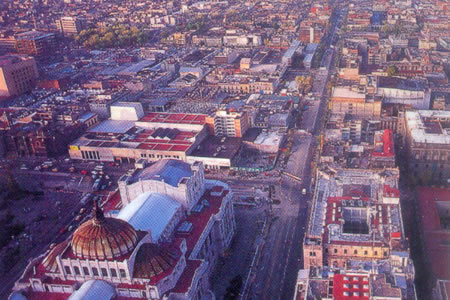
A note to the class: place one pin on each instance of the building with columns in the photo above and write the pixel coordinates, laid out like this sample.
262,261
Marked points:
163,243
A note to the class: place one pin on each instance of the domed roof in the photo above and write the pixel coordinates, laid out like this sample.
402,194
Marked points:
103,238
94,289
171,171
152,260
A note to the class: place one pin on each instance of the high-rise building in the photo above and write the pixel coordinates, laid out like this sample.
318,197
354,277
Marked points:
228,123
17,74
428,145
7,45
69,25
35,43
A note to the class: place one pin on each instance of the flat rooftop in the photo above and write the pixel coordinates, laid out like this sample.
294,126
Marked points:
429,126
348,209
11,59
219,147
33,35
157,139
177,118
437,237
400,83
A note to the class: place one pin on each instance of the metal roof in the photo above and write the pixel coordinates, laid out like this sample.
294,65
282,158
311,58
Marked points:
150,212
112,126
94,290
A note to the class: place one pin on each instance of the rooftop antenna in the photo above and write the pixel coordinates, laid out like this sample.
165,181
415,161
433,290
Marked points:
99,217
33,14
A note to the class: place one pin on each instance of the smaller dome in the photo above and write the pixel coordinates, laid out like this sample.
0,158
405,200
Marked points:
94,289
49,262
152,260
103,238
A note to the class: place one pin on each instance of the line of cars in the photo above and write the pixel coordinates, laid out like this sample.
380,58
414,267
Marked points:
79,215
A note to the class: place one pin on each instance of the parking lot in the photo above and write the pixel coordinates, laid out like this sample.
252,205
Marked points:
42,202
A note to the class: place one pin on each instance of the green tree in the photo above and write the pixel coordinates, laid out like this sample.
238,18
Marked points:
392,70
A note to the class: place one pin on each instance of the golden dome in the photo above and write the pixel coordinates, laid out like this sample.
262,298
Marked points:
103,238
152,260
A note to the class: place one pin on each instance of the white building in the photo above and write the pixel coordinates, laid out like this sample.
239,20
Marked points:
126,111
162,244
407,92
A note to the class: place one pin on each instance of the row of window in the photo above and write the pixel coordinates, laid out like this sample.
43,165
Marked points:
356,294
144,155
355,286
95,271
90,155
355,252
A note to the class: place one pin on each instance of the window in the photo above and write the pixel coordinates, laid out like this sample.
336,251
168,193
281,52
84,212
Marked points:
122,273
95,271
355,252
86,271
67,269
385,253
376,253
76,270
104,272
365,252
335,250
345,251
113,272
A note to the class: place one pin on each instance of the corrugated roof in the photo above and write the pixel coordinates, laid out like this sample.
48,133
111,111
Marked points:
113,126
94,290
150,212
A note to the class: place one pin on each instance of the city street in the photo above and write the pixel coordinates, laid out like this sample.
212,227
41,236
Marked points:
277,249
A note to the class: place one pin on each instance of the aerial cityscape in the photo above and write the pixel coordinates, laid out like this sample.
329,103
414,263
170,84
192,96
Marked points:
229,150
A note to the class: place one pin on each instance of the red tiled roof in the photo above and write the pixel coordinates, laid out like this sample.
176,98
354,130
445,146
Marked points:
353,285
427,197
186,277
389,191
180,142
200,220
388,145
179,148
47,296
396,235
179,118
437,239
134,286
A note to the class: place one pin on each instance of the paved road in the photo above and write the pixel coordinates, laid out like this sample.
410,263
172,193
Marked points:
275,273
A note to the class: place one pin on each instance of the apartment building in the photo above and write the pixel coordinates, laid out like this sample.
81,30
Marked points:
69,25
35,43
228,123
355,103
18,74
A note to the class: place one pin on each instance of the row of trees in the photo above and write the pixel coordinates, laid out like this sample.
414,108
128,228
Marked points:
110,37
